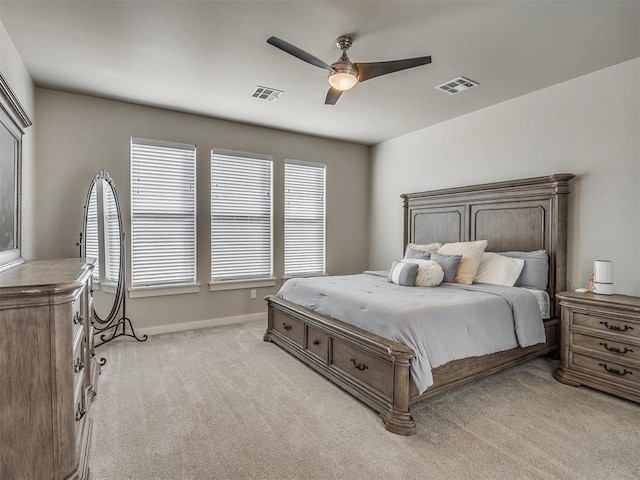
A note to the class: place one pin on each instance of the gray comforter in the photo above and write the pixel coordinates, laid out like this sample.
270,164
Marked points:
440,324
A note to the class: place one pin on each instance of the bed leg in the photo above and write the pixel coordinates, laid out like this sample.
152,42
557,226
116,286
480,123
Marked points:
400,423
399,420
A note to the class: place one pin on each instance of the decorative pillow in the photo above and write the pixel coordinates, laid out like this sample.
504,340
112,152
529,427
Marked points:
427,247
449,265
498,269
430,273
535,273
403,273
414,253
471,254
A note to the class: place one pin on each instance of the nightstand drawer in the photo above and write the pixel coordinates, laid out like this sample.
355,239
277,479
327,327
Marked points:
609,324
603,346
606,369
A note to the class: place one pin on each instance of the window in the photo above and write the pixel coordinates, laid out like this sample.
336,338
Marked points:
304,218
163,213
241,216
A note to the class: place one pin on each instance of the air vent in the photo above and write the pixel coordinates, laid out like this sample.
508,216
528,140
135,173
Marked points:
457,85
266,93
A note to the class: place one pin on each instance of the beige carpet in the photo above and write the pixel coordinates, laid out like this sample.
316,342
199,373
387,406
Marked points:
219,403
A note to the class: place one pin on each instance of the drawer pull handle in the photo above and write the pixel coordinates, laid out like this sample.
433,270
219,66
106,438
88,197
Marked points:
316,342
78,366
616,349
286,326
359,366
80,413
78,318
616,328
615,370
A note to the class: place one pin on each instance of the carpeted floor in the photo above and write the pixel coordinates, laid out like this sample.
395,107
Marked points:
219,403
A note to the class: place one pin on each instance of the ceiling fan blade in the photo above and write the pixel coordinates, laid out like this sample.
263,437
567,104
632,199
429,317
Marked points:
298,53
367,71
332,96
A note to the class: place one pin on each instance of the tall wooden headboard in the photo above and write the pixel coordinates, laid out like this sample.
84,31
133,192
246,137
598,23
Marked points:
518,215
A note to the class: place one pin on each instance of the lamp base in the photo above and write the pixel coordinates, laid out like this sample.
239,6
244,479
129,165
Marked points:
603,288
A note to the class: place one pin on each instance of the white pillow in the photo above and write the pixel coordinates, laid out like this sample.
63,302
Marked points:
499,270
471,255
430,273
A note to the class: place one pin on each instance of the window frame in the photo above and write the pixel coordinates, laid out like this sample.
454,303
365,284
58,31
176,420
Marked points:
216,283
168,288
314,273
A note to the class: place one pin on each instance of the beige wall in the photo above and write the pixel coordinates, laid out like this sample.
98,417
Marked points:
15,73
78,135
587,126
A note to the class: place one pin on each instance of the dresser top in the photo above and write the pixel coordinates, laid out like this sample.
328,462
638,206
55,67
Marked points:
614,301
45,276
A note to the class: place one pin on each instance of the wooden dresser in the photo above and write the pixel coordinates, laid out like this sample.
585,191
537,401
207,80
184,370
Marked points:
600,343
48,374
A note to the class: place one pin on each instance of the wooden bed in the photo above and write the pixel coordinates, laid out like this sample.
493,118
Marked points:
519,215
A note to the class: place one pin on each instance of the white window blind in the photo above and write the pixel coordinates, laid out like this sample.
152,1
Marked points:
304,219
91,239
163,213
241,216
111,237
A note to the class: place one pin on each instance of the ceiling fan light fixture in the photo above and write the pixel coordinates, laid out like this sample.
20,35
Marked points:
343,80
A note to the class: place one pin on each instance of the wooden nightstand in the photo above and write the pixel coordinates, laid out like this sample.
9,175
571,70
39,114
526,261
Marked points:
600,343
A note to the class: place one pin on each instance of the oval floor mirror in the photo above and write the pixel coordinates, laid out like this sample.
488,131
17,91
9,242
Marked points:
103,238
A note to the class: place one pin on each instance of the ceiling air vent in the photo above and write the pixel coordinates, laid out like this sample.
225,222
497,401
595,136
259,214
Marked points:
266,93
457,85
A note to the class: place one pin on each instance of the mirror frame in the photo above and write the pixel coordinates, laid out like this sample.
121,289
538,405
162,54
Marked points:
13,118
103,176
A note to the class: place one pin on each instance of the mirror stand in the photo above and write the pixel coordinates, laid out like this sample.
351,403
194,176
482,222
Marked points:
103,238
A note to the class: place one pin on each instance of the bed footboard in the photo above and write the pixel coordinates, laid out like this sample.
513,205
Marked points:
371,368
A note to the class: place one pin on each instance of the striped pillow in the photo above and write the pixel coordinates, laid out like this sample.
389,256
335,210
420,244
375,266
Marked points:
403,274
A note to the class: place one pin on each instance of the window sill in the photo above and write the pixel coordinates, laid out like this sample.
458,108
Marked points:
161,290
305,275
240,284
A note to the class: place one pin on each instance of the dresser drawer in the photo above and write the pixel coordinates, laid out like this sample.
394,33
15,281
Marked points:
290,328
610,370
76,316
609,324
367,368
79,359
602,346
318,343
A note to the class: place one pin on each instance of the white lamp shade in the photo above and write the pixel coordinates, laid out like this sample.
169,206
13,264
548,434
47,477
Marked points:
603,277
343,80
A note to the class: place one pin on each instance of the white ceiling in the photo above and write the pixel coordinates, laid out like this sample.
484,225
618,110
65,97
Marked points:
207,57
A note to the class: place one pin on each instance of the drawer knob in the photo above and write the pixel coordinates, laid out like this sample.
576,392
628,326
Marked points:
359,366
615,371
616,349
78,318
286,326
78,365
616,328
80,413
316,342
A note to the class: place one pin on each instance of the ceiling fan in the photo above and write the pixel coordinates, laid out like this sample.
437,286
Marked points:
344,74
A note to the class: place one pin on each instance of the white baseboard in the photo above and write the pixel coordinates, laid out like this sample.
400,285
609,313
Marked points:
214,322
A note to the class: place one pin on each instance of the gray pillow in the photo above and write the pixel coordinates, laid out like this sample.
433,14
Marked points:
415,254
403,274
535,273
449,264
